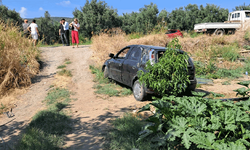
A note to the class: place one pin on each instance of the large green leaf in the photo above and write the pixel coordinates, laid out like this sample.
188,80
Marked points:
244,83
242,91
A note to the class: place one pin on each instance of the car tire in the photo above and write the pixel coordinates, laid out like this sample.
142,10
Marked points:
139,91
105,72
219,32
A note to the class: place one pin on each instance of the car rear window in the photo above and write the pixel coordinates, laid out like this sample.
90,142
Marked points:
171,31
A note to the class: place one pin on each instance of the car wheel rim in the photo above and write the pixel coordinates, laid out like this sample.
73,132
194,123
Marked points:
137,90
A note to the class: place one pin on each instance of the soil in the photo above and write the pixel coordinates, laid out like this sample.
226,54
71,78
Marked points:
90,113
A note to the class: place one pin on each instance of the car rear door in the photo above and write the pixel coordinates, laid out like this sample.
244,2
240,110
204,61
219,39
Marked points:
131,65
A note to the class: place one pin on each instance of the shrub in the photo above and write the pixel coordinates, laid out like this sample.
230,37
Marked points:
169,73
247,47
203,69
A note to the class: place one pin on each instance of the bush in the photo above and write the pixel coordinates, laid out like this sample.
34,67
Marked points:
203,69
169,73
247,47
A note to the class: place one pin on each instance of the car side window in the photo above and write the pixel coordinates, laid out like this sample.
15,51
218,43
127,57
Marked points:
135,54
144,58
123,53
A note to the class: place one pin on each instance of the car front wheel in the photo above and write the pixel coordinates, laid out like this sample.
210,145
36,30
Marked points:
139,91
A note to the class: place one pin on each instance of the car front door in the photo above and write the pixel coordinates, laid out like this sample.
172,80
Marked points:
130,66
117,63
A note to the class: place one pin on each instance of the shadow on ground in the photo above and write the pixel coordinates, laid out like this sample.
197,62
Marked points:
12,130
90,134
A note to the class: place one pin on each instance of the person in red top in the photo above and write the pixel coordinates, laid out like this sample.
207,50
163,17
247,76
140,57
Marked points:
74,33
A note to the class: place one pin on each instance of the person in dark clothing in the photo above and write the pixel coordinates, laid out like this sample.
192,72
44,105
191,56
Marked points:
66,30
62,34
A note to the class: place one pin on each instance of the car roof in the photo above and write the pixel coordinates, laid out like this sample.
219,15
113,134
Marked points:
153,47
148,46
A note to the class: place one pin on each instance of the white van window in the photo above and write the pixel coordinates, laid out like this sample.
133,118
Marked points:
247,14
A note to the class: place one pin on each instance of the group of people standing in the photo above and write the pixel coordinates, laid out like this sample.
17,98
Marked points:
32,29
64,32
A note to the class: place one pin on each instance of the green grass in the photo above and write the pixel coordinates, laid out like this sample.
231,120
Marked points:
65,72
226,83
247,36
88,42
47,128
229,52
229,73
105,87
210,70
135,35
61,67
247,47
125,133
68,62
99,76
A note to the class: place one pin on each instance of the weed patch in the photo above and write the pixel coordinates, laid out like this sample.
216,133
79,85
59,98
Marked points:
68,62
247,36
125,133
61,67
105,87
47,127
65,72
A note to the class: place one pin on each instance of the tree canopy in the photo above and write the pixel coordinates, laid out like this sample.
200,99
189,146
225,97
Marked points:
185,18
242,7
10,16
95,16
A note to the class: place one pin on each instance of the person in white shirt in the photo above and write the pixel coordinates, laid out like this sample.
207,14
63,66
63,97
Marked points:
33,28
66,31
74,32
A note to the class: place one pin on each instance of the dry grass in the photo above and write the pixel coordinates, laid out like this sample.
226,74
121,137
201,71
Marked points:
106,43
18,59
199,47
18,63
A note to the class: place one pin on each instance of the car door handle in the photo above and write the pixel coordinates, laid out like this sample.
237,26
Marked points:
120,64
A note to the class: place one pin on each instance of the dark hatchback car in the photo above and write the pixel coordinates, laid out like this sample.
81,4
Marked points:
123,67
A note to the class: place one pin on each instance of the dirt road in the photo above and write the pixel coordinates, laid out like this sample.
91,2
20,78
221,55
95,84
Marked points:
90,114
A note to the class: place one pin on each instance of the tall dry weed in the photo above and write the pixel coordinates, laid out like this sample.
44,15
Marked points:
107,42
18,58
199,47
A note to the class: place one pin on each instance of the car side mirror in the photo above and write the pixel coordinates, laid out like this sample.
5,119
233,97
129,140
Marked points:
111,55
